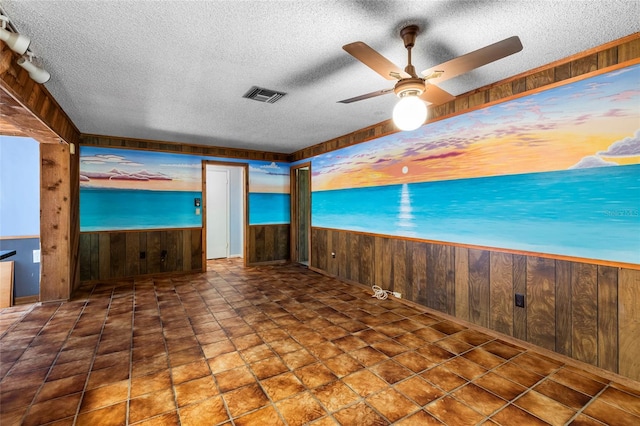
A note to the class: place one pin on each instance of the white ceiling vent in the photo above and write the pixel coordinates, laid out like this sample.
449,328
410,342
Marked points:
263,95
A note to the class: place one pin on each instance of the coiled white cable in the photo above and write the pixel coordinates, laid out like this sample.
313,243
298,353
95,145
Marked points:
379,292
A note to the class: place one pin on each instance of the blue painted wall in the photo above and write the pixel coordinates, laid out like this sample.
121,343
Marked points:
20,209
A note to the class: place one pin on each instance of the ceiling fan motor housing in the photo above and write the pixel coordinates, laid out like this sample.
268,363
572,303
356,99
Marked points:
409,86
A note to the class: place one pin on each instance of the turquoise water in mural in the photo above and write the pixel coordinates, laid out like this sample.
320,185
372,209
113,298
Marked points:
120,209
590,213
269,208
117,209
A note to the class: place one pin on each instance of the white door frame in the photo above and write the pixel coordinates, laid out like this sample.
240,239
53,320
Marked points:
245,198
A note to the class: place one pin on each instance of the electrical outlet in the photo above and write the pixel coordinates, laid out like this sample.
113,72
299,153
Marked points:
333,255
520,300
143,255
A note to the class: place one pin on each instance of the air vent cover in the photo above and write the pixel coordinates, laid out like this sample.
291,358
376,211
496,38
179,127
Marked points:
263,95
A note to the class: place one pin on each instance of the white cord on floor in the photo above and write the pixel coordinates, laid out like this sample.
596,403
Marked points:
380,293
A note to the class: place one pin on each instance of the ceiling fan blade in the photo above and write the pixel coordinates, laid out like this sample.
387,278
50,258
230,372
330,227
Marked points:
367,96
374,60
476,59
435,95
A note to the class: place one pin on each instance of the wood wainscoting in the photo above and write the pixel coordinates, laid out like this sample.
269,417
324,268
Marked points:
586,311
268,244
118,254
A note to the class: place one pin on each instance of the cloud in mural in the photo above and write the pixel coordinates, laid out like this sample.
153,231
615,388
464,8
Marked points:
115,174
270,169
627,147
592,161
108,158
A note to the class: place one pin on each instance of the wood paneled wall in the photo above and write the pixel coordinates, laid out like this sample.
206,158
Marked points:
181,148
606,55
586,311
112,255
268,244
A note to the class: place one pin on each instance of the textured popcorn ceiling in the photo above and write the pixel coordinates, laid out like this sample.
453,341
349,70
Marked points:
177,70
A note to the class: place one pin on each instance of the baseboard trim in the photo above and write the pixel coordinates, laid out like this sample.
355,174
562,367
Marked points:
26,300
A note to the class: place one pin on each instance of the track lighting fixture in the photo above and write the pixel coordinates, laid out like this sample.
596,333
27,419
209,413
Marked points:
37,74
16,42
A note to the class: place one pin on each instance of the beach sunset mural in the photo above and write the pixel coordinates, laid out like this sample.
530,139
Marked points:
554,172
129,189
584,124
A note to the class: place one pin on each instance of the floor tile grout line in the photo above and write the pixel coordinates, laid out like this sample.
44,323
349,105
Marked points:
95,351
53,362
204,356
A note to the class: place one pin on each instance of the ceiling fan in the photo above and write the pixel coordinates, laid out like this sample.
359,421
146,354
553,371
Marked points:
412,88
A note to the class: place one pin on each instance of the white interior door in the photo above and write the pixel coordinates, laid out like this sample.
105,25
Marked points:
217,213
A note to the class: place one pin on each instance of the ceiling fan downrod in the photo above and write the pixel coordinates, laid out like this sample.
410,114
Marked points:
409,34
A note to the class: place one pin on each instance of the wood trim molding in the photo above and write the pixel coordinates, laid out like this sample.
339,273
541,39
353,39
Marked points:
245,188
26,300
119,231
19,237
633,266
180,148
621,52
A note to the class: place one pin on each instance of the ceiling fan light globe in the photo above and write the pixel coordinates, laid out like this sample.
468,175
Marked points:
409,113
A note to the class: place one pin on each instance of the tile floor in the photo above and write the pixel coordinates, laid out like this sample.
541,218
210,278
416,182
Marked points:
272,346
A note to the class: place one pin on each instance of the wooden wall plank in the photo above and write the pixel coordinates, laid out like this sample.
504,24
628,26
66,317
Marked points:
479,290
283,243
154,249
143,248
584,312
269,243
462,282
629,323
196,249
419,261
629,50
132,250
384,263
541,295
440,277
584,65
367,255
85,257
117,255
564,329
343,257
520,287
104,268
608,318
332,246
171,264
353,263
95,256
399,259
501,292
319,248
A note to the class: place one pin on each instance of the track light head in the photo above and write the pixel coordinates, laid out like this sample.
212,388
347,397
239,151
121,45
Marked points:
37,74
16,42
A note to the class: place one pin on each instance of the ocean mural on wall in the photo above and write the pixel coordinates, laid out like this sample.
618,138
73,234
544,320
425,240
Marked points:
557,172
123,189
